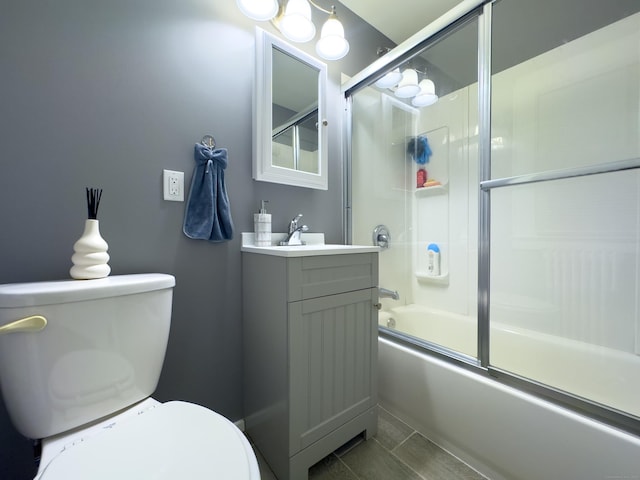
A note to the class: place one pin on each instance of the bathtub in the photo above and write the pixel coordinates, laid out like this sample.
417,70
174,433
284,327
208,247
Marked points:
502,432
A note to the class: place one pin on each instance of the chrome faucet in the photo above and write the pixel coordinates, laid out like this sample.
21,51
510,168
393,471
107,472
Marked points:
293,237
385,292
293,224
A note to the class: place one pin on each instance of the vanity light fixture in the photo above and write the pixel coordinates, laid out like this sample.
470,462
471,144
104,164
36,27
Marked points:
408,86
427,94
391,79
259,10
296,22
422,94
332,44
293,19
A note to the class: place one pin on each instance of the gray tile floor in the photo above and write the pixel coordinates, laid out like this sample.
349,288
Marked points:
397,452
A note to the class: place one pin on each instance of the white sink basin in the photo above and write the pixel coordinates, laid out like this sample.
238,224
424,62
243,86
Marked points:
314,246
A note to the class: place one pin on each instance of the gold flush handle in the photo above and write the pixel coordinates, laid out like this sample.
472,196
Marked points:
34,323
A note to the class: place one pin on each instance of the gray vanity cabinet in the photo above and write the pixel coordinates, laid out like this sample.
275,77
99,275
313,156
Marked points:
310,355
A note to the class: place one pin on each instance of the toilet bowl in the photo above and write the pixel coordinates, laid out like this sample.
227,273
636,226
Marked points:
79,361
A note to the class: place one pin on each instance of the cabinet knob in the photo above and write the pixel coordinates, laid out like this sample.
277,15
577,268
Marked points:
377,306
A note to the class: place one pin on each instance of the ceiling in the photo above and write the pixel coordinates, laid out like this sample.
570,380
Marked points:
399,19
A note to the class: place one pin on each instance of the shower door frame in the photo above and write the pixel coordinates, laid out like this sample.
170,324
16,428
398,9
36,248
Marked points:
460,15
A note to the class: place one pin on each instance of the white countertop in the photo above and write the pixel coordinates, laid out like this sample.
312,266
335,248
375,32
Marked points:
314,246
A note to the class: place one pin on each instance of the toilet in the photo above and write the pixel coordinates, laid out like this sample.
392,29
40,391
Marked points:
79,360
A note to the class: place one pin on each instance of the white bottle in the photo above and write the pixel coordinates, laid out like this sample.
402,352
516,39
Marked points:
262,226
433,260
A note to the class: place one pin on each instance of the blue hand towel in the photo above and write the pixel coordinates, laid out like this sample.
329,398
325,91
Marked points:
208,214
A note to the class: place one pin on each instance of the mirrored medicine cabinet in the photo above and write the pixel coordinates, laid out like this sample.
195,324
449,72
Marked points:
289,126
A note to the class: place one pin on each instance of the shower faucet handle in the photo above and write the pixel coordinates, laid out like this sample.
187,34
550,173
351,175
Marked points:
382,237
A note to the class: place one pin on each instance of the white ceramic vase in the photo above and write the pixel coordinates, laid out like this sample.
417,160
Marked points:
90,257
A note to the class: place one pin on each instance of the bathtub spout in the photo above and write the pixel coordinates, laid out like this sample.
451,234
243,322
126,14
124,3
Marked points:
385,292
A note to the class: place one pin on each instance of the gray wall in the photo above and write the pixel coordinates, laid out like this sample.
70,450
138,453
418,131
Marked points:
107,94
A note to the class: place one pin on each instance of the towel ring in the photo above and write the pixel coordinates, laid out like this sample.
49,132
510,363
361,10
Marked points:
208,141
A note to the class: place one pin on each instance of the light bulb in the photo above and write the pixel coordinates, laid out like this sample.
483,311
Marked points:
260,10
391,79
296,22
332,44
408,86
427,94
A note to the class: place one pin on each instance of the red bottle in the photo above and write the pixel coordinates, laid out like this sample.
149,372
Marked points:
421,177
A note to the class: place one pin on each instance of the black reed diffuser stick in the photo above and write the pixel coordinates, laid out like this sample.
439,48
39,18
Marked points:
93,202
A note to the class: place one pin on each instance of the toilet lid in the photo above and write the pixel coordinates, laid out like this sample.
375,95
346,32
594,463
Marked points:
173,440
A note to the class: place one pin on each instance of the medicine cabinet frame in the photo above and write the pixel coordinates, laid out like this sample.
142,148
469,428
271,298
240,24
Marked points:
263,129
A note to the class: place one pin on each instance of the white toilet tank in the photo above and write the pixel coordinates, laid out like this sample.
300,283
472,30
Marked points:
101,350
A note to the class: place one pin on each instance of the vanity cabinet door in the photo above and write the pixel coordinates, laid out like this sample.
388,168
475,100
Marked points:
332,363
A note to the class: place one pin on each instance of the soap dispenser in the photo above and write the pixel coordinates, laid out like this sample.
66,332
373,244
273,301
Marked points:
262,226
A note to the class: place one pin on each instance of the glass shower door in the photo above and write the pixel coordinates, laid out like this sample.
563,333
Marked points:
529,194
565,201
414,170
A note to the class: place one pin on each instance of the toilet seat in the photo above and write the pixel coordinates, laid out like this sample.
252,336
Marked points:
172,440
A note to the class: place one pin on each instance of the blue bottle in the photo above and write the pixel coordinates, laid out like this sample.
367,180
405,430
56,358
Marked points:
433,260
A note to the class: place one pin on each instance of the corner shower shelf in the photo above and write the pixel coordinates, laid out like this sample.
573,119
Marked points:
435,190
439,280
